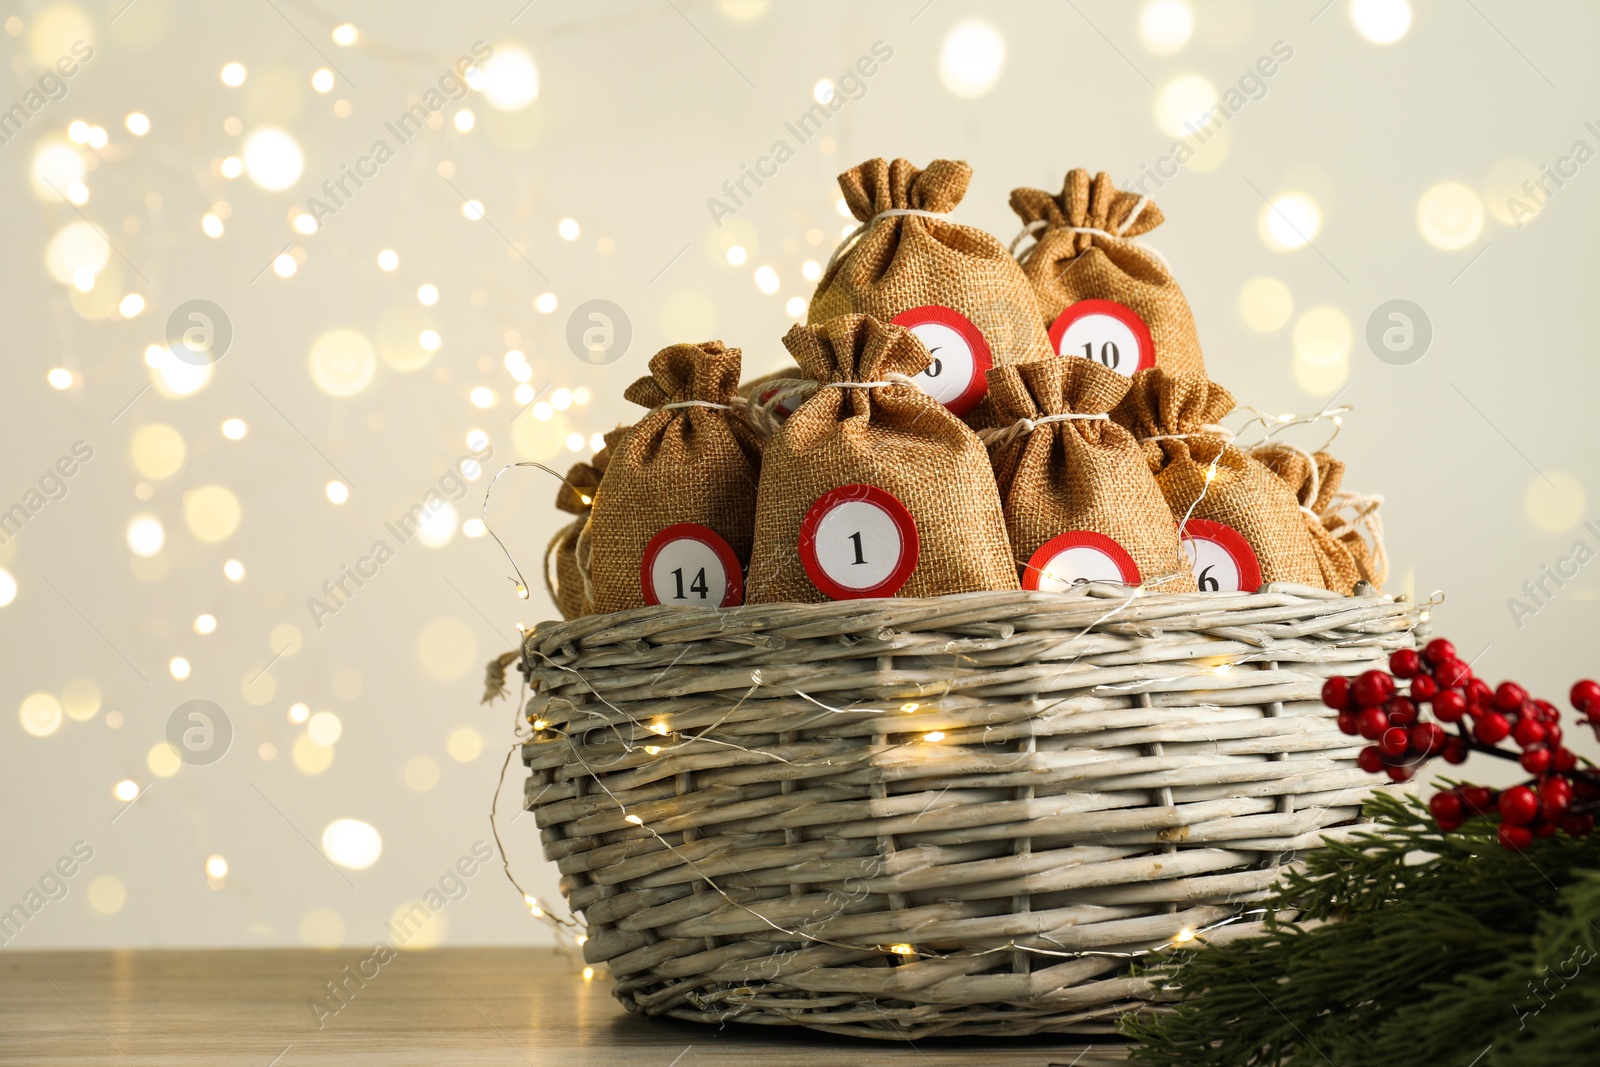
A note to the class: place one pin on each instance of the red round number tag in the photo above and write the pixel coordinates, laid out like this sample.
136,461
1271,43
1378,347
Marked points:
958,375
1107,332
1222,559
689,565
858,541
1079,556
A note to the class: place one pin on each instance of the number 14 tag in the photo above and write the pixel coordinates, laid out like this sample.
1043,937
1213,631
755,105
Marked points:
689,565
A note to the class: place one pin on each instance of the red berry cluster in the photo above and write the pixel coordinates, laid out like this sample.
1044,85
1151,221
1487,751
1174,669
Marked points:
1560,795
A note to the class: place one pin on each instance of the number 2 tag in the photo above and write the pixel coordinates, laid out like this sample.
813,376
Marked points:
958,377
1111,334
1079,556
1222,559
858,541
689,565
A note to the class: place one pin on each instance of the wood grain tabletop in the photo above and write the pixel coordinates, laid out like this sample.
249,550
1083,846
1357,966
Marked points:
491,1006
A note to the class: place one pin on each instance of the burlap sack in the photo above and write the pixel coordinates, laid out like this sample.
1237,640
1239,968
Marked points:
1060,475
1332,516
767,400
1207,480
892,439
571,588
1084,250
692,459
904,260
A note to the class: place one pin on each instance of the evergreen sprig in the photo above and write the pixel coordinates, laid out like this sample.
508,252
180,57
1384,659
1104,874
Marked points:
1412,946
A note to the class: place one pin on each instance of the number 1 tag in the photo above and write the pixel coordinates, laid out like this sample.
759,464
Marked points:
1111,334
688,565
1079,556
1222,559
858,541
958,377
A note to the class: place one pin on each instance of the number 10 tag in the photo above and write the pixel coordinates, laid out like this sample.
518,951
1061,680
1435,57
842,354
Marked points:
688,565
858,541
1111,334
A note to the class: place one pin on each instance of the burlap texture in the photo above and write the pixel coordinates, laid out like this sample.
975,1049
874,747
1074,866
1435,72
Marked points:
1080,474
896,438
576,497
908,261
1065,267
688,464
1243,493
1315,479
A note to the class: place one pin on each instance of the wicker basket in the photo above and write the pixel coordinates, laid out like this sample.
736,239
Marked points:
958,816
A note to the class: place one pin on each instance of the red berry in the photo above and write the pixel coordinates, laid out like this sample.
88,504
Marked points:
1479,693
1449,706
1528,732
1554,800
1372,723
1492,728
1428,738
1509,696
1423,687
1373,688
1451,673
1536,760
1544,829
1347,723
1336,693
1446,807
1370,759
1519,805
1438,649
1586,696
1401,772
1516,838
1455,750
1402,712
1477,799
1578,825
1394,742
1565,760
1552,734
1547,711
1405,663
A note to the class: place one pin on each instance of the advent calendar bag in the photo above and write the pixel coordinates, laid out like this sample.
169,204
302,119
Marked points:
1239,522
954,286
1103,294
872,488
572,591
1080,501
1315,479
675,512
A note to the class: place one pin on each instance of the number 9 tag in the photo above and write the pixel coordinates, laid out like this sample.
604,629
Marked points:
1222,559
1107,332
858,541
688,565
958,377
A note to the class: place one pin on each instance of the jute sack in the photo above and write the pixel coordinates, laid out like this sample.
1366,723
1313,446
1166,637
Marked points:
570,589
680,488
1239,521
871,488
763,394
956,287
1096,285
1332,516
1080,501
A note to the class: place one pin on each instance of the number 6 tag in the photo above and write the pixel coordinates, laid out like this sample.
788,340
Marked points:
1222,559
1111,334
688,565
858,541
958,377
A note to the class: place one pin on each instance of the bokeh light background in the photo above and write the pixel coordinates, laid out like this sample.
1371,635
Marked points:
428,315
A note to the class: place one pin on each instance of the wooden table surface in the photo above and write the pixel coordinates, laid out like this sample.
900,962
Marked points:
500,1006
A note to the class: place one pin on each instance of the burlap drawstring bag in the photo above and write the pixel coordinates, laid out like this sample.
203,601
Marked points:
1344,554
570,589
1239,521
956,287
1101,292
1080,501
872,488
684,476
765,394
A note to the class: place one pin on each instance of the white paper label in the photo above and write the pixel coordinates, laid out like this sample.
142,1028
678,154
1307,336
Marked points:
1079,556
1222,559
688,565
858,540
957,375
1106,332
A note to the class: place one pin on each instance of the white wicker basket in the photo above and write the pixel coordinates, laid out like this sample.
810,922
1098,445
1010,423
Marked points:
966,815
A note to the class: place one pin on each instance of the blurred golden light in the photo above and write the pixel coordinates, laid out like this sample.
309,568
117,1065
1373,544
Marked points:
342,362
545,303
1450,215
145,535
157,451
162,760
510,78
107,894
737,255
324,728
299,713
1290,221
179,668
80,699
352,843
1265,304
1165,26
446,649
40,714
233,75
322,79
76,249
211,512
345,35
465,119
388,259
310,758
216,867
971,58
131,306
427,294
421,773
337,491
284,265
234,429
125,790
59,378
56,165
273,159
233,570
205,624
568,229
1185,105
1381,21
232,167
